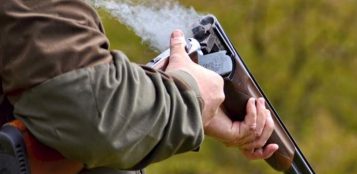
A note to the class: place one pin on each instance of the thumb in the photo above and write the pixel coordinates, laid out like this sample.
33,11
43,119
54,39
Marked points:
177,47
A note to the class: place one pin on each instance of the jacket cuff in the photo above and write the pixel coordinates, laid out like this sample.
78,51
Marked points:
189,81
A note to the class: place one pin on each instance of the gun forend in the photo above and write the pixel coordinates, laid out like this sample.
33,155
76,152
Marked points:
239,86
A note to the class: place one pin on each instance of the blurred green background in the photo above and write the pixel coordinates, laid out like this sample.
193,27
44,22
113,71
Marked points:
303,54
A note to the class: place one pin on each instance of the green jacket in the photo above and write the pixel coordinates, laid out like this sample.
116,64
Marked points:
89,103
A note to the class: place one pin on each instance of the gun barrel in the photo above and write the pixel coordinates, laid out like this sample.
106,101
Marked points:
299,165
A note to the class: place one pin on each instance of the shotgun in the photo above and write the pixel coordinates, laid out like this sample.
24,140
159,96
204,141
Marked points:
211,48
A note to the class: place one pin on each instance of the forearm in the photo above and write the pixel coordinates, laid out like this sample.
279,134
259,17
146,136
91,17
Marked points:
75,97
114,115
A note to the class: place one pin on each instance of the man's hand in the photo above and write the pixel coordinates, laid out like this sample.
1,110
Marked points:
209,83
250,135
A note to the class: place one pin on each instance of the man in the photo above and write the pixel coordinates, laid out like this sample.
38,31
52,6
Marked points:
96,107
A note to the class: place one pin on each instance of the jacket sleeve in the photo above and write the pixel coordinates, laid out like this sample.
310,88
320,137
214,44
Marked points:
115,115
88,103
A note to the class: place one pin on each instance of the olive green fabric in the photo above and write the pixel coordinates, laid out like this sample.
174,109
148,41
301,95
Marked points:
40,39
89,103
115,115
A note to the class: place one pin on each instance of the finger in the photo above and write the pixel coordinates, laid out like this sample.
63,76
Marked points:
251,116
261,140
261,153
248,127
269,150
261,116
244,133
177,46
267,131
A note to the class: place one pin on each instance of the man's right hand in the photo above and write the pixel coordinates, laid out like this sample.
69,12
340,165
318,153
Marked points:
209,83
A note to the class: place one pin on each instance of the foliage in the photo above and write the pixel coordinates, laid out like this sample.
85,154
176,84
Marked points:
303,53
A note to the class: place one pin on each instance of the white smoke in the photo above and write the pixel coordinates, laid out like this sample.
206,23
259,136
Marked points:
152,20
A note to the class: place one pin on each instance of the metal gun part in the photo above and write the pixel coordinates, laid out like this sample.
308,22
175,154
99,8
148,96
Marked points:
192,46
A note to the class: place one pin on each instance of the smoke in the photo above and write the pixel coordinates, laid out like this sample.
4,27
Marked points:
151,20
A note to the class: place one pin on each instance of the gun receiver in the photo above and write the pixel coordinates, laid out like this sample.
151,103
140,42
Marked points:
217,53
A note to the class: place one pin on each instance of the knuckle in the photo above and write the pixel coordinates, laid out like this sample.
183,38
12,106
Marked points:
221,97
257,133
261,113
271,123
268,111
268,114
178,40
178,46
253,112
252,128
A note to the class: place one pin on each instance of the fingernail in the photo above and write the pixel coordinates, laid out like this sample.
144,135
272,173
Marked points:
261,100
252,100
177,33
